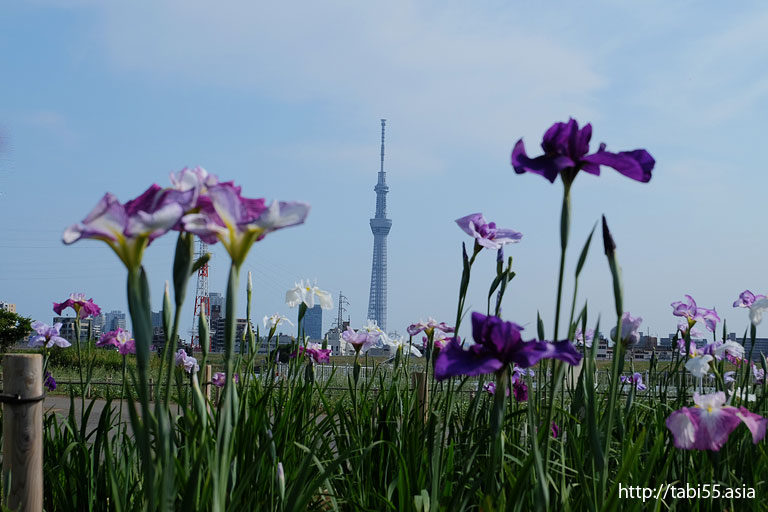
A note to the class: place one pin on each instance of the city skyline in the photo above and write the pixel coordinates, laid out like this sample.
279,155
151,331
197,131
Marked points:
286,109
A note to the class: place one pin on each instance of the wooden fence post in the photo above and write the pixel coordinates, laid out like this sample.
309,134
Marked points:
151,388
23,431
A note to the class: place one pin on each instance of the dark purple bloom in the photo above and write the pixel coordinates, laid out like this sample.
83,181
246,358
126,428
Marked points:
316,351
746,299
565,153
555,430
487,234
84,308
49,382
520,389
497,344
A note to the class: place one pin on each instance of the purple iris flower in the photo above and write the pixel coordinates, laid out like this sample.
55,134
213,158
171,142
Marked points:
220,378
498,344
316,351
555,430
119,338
693,313
237,222
83,308
746,299
189,363
629,330
729,377
520,390
47,335
428,327
49,382
361,340
129,228
707,425
758,373
635,379
487,234
565,153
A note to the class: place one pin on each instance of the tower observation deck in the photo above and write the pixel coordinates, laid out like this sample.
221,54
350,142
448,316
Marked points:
380,226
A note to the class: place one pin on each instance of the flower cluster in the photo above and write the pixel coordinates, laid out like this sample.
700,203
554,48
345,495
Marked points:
700,357
187,362
49,382
707,425
196,202
361,340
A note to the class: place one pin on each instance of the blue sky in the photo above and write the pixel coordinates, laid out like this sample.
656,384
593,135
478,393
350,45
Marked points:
286,101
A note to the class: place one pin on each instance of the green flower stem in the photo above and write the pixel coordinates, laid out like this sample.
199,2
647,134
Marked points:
227,405
139,308
558,370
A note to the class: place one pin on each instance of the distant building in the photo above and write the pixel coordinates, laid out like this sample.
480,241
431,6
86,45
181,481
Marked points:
114,320
218,340
157,319
8,306
336,343
67,330
217,300
313,322
98,322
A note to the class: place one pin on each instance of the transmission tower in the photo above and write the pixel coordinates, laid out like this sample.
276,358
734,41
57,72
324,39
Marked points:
202,299
340,318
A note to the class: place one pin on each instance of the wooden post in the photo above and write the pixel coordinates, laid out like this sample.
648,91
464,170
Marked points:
151,388
23,431
207,376
419,381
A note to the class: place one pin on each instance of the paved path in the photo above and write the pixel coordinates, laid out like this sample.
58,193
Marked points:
60,405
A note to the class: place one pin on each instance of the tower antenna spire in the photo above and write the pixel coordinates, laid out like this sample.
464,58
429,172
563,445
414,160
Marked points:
380,226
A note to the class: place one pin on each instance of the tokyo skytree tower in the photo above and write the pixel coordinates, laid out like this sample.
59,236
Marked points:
380,226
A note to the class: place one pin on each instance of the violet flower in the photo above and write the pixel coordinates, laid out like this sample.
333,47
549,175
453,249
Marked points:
131,227
555,430
498,344
635,379
584,338
316,351
746,299
707,425
189,363
220,378
565,154
486,234
693,313
77,301
238,222
629,330
119,338
729,377
47,335
428,327
361,340
49,382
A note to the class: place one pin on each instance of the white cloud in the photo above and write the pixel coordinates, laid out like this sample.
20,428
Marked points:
456,76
